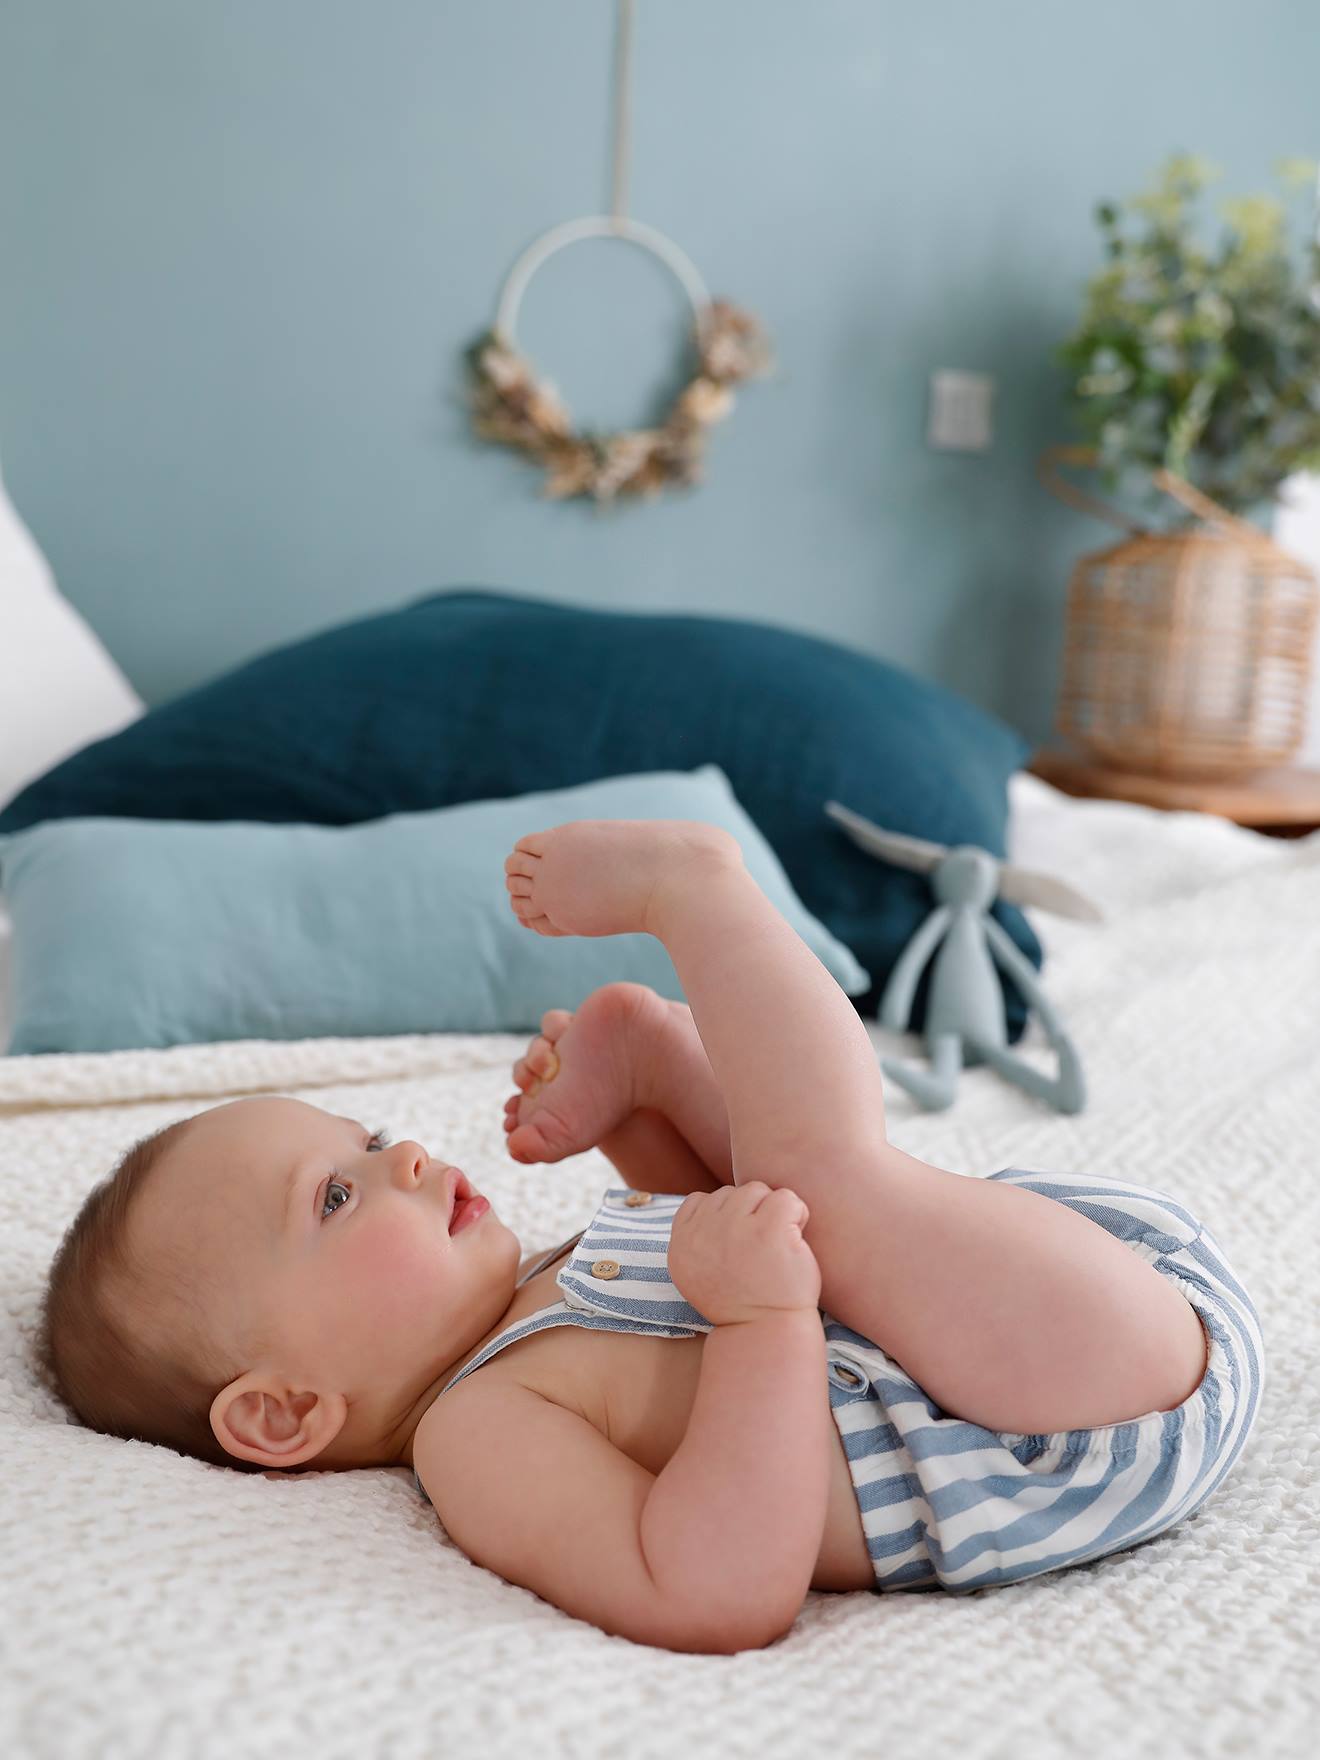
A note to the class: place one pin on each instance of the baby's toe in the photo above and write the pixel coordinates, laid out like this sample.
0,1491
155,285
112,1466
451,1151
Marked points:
543,1059
537,1064
526,1143
543,1138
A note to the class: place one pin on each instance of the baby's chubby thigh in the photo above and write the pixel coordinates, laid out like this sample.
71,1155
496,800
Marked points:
1008,1308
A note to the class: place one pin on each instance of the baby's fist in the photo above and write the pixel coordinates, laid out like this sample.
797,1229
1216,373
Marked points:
739,1253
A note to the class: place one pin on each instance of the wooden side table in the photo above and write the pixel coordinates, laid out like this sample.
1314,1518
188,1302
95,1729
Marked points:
1284,803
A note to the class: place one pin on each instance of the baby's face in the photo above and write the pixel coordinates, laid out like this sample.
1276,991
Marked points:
333,1247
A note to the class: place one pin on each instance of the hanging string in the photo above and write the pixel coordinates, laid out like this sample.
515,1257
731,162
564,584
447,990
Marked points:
512,407
622,116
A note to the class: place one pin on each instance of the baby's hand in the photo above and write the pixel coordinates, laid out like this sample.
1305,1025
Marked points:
739,1253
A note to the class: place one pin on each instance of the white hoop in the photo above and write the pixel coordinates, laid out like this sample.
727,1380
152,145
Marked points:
596,226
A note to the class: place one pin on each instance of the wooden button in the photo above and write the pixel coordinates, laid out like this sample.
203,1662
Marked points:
604,1268
635,1198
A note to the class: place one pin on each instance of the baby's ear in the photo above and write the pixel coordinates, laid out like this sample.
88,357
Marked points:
256,1419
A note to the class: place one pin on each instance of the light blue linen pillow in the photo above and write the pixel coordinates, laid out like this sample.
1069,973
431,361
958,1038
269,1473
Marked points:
133,933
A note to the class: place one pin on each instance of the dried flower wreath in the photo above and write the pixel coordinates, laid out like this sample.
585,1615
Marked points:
513,407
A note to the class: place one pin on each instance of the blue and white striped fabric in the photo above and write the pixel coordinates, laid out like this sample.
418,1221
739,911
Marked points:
951,1504
945,1503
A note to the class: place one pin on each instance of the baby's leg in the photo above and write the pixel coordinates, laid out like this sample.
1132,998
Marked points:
681,1086
653,1155
625,1051
1009,1309
678,1139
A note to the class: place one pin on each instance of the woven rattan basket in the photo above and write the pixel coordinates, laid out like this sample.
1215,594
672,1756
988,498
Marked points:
1186,654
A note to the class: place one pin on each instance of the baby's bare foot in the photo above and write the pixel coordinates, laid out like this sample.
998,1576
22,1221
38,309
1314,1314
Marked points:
609,876
586,1072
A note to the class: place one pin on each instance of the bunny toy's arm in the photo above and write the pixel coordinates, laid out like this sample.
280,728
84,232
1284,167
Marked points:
1065,1091
896,1003
1007,954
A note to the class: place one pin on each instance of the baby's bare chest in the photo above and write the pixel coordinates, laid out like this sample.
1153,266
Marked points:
638,1391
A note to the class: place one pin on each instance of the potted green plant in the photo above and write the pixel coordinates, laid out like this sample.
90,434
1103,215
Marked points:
1204,361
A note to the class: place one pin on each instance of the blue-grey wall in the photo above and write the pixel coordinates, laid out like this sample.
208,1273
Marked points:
243,245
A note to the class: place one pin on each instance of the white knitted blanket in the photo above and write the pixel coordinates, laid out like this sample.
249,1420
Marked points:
157,1606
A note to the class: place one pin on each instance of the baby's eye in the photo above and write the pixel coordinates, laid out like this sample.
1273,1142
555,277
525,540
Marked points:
377,1140
335,1184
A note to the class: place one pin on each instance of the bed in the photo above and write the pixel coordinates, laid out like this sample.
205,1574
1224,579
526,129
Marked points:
158,1606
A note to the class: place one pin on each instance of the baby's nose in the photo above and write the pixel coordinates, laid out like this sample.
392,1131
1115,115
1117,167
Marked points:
410,1161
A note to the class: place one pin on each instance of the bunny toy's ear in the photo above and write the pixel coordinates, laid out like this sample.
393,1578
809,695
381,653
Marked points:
1022,886
890,846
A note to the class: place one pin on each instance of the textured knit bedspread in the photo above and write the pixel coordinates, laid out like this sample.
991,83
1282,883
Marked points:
157,1606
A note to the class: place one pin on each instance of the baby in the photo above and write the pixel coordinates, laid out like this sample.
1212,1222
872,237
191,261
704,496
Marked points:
783,1356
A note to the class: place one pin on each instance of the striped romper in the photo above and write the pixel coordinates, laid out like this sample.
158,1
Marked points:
944,1503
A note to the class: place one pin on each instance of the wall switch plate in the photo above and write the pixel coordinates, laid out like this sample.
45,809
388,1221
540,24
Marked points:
960,411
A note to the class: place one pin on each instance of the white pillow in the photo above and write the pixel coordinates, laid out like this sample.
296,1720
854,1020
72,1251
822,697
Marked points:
59,689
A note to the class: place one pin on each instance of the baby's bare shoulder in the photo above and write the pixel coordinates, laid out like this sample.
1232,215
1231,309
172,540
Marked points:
544,1367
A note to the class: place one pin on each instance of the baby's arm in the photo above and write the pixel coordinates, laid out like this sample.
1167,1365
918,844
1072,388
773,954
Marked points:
735,1520
713,1554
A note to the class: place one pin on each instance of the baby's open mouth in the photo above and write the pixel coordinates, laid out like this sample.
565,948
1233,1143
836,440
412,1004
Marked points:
468,1206
462,1190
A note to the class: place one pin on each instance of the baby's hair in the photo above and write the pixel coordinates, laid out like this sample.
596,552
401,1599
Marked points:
121,1342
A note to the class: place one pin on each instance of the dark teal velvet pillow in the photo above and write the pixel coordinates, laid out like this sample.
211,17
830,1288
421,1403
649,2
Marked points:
475,695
